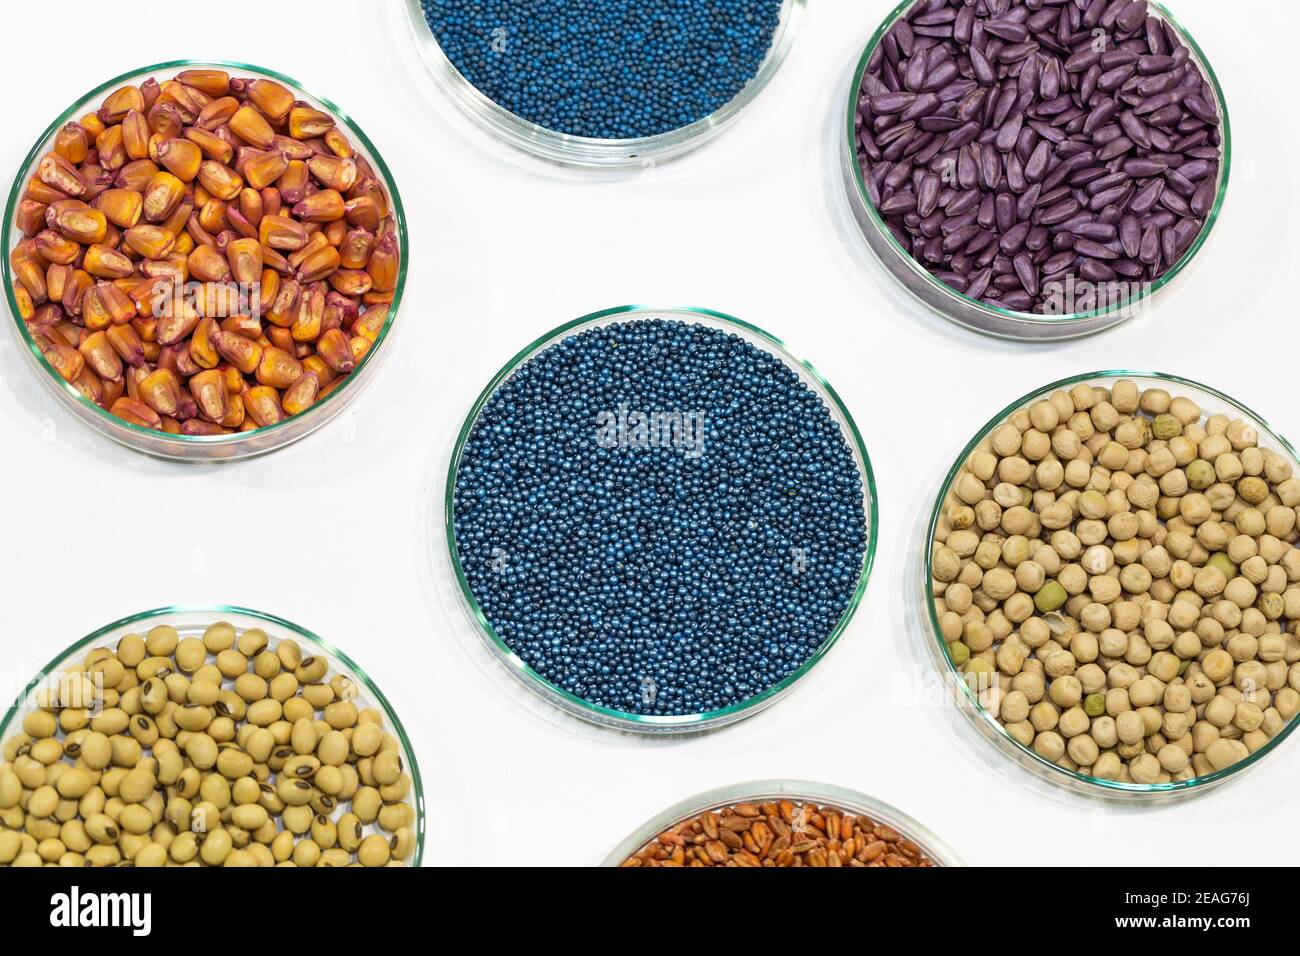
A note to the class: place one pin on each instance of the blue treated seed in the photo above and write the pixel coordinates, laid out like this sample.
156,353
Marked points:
608,69
658,570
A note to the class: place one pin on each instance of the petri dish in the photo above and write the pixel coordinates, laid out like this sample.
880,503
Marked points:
942,299
586,151
795,791
201,447
191,621
967,699
608,717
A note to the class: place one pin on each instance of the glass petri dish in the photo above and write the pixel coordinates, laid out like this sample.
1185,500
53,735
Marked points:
200,447
798,791
586,151
965,697
946,301
191,621
576,706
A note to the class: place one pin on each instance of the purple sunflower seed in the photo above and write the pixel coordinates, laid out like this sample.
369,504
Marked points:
1059,262
1009,132
1095,271
1149,249
1013,240
898,203
1036,167
1013,31
979,282
1203,199
928,195
1094,250
1004,211
1099,231
1130,235
1027,273
886,103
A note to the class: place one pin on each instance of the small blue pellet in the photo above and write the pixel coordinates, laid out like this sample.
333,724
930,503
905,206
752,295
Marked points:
608,69
672,568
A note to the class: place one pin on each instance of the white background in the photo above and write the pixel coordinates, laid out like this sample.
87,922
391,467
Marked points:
335,532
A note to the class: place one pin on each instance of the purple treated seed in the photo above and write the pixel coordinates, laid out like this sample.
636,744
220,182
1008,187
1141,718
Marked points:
928,195
1008,146
891,102
1095,250
1027,272
1098,231
1036,166
1095,271
1130,235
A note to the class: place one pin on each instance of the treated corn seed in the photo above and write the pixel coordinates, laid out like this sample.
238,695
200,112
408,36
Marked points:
230,180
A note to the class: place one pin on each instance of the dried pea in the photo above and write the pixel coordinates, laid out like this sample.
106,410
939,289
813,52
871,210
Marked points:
1161,553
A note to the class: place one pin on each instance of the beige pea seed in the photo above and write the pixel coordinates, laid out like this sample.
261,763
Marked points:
249,816
250,687
216,846
1129,727
202,751
11,788
329,780
1224,753
231,663
131,650
301,766
232,763
367,738
341,714
303,738
970,489
311,670
374,851
161,641
282,846
317,696
40,723
203,693
366,804
350,832
290,654
1144,768
252,642
190,655
219,637
264,712
43,801
324,832
74,783
1049,745
47,751
297,819
135,819
306,853
333,749
266,665
296,709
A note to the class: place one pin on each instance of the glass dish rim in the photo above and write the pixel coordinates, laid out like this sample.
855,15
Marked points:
590,151
1057,774
66,389
297,630
1033,319
833,795
649,723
